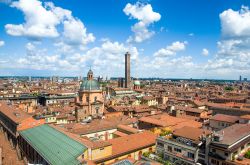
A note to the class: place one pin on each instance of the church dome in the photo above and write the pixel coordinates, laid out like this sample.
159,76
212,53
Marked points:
89,85
90,72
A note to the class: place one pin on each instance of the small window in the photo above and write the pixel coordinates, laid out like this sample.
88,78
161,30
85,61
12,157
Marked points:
95,98
190,155
177,150
213,150
213,161
160,144
169,148
226,154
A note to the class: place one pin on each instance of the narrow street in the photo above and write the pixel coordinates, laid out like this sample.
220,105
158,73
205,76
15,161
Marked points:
9,155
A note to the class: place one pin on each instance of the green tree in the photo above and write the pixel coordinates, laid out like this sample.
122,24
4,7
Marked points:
167,163
146,154
247,154
229,88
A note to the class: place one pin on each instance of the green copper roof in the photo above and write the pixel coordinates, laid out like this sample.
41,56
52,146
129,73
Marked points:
89,85
54,146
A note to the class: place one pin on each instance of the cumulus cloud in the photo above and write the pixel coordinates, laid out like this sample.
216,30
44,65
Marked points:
40,59
205,52
75,33
232,57
171,67
171,49
146,16
108,58
39,22
232,54
235,23
2,43
42,21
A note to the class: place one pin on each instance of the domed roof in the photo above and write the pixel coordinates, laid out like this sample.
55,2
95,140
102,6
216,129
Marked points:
90,71
137,82
89,85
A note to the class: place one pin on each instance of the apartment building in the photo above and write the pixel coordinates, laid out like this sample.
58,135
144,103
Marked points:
185,146
229,145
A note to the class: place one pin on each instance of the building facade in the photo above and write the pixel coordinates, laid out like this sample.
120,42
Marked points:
90,101
185,146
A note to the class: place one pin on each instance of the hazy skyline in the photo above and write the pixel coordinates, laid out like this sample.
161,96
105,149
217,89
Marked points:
168,39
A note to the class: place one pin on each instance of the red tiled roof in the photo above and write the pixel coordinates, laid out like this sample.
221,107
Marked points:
164,120
127,128
118,133
191,133
225,118
15,114
132,142
101,125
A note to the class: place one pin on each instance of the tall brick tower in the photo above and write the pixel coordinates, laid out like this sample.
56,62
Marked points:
127,70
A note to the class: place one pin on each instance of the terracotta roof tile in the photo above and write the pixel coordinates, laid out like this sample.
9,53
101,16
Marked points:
225,118
191,132
132,142
13,113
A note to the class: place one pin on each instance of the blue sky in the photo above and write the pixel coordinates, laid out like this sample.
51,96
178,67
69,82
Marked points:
166,38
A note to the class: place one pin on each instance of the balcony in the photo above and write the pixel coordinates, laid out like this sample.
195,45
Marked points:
174,143
159,149
180,156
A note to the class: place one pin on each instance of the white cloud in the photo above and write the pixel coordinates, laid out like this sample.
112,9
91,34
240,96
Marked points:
231,59
233,53
60,13
39,59
108,58
146,16
171,49
2,43
42,21
171,67
235,23
39,22
205,52
75,33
